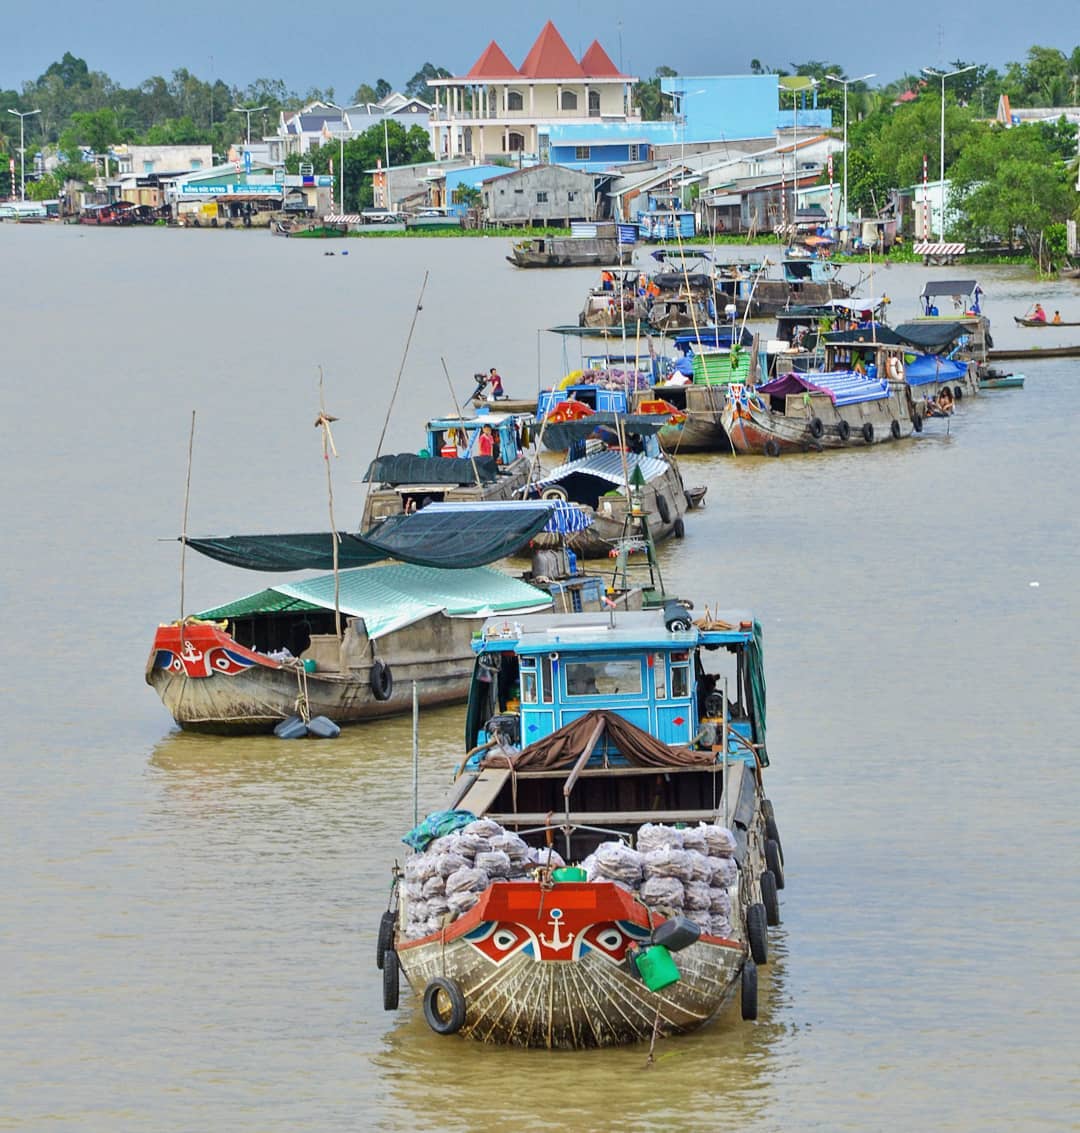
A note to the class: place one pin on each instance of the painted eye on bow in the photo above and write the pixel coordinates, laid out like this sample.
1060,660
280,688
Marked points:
609,938
504,938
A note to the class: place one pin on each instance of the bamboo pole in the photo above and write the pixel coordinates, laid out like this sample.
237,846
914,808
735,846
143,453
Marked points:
184,527
323,422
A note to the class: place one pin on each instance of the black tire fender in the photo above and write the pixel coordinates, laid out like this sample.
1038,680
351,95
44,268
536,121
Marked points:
749,990
772,447
678,528
894,429
769,897
385,941
554,492
663,508
868,432
382,680
917,422
843,430
757,933
391,980
958,393
773,861
816,427
452,1021
772,831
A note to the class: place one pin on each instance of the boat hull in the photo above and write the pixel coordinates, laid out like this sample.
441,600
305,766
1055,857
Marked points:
755,429
211,683
549,968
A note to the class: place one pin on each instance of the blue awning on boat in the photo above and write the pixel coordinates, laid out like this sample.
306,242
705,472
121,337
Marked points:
927,368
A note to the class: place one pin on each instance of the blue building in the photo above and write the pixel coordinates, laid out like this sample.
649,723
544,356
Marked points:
714,108
597,146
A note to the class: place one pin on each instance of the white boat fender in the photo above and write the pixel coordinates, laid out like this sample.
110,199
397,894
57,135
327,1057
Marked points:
382,680
439,989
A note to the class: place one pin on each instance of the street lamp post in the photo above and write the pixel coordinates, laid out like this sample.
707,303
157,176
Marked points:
846,83
249,110
22,115
943,75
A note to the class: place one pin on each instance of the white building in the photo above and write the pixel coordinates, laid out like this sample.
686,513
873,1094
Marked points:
496,108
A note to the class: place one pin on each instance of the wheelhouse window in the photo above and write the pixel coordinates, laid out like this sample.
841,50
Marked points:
528,684
680,681
568,100
547,686
659,669
603,678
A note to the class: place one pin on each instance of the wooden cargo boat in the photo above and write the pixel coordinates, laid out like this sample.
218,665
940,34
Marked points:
590,245
1041,323
628,477
451,468
593,738
351,652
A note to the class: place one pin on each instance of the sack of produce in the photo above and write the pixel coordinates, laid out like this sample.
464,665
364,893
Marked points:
516,848
697,896
446,864
720,926
462,901
701,865
474,880
719,902
545,856
655,836
495,863
469,843
616,861
724,872
414,891
693,838
719,839
664,893
484,827
669,862
435,886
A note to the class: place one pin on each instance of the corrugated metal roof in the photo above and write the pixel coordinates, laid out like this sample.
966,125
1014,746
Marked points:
608,466
396,595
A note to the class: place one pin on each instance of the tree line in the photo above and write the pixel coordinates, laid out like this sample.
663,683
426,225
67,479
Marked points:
1015,184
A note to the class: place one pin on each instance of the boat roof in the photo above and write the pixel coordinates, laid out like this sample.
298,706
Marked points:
609,465
483,417
589,632
394,595
565,517
949,287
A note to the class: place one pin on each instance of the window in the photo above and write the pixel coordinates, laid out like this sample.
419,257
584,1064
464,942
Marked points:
195,164
571,195
568,100
594,104
516,142
610,678
547,686
659,675
147,168
514,101
680,680
528,682
632,153
541,198
582,153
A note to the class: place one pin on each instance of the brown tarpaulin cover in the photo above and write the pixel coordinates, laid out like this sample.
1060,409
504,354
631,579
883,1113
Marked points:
562,748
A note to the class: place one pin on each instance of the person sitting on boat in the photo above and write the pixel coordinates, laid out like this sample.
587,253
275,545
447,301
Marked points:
859,365
945,400
607,281
1056,320
495,381
449,446
1038,315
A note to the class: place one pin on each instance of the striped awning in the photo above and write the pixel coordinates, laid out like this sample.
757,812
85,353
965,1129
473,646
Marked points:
612,466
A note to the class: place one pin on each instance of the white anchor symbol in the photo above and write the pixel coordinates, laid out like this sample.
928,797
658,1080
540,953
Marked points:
556,941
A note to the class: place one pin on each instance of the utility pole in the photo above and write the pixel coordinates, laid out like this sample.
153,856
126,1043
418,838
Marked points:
22,115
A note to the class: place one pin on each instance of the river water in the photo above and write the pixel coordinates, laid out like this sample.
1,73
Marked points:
188,922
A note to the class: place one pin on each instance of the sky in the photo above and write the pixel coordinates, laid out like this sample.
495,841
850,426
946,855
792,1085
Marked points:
342,45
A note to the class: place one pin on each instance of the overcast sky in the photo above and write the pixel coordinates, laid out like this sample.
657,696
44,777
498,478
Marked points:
342,45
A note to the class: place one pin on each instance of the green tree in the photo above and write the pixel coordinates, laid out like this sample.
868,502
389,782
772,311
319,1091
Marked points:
417,86
1011,185
96,129
649,98
45,188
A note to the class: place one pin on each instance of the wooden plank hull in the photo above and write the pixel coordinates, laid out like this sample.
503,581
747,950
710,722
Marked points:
755,429
217,686
548,967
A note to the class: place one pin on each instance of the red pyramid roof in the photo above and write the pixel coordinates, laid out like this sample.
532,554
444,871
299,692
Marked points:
597,64
550,58
493,64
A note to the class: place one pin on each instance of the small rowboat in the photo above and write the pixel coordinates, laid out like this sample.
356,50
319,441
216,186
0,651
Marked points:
1040,323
